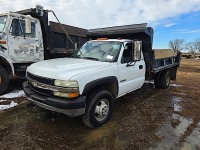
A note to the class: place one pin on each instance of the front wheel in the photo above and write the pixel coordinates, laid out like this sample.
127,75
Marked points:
4,80
99,108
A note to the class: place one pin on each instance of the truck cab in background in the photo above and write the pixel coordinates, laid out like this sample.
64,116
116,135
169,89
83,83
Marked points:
24,46
27,37
18,48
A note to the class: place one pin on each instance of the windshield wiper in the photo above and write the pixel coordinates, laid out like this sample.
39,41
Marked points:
91,58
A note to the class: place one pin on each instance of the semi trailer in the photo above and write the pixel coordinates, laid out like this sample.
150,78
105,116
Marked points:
28,36
114,62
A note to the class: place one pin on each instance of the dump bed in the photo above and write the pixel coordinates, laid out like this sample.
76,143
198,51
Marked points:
142,33
165,59
59,43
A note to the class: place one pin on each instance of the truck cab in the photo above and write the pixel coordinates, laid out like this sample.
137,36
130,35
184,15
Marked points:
22,46
124,58
18,46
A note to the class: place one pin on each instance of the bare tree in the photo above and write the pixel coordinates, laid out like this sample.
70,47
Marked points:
191,46
197,45
177,44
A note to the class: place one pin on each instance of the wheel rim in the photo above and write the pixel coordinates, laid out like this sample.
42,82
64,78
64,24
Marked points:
101,109
168,80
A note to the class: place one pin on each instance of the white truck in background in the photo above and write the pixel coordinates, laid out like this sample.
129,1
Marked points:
27,37
102,70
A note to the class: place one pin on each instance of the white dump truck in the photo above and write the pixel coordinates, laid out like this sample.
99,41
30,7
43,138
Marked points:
27,37
114,62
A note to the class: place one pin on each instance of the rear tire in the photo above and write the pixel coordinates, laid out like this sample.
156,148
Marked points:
99,108
4,80
165,79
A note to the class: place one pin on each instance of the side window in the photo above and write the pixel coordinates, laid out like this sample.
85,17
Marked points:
18,28
128,53
33,31
15,28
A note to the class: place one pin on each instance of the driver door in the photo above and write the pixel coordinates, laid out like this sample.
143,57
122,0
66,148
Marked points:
131,72
22,46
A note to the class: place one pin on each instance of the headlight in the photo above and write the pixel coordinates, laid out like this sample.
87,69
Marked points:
64,83
70,89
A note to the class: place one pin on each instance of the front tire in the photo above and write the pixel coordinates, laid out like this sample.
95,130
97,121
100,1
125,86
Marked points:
4,80
99,108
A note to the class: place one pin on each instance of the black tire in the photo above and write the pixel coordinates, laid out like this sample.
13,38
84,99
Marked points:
157,80
4,80
165,79
92,119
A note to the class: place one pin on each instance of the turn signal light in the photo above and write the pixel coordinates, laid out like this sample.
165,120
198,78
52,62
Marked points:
66,95
73,95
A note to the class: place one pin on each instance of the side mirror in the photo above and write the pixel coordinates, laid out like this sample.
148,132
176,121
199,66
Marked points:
76,46
27,25
137,50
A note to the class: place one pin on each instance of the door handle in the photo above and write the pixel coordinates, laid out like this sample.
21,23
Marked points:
140,66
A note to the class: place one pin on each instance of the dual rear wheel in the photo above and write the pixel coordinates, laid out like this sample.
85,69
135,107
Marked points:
162,79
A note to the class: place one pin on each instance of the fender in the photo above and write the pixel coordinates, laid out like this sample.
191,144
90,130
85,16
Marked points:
8,60
89,86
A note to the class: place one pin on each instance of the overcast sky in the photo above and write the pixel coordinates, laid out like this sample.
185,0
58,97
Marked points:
170,19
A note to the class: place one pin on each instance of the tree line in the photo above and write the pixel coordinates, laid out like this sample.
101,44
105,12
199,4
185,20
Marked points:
180,44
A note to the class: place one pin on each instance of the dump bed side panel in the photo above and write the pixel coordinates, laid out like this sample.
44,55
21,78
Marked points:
164,53
59,43
165,59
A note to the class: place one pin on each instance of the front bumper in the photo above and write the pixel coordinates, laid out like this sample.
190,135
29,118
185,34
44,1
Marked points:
70,107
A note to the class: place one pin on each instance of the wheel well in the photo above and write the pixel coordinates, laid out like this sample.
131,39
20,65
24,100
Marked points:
4,63
112,87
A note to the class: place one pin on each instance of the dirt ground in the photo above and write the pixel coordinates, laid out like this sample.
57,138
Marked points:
148,118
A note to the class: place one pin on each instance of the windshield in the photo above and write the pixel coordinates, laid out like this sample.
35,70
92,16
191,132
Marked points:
99,50
2,22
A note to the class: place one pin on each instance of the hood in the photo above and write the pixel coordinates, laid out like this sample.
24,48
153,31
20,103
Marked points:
65,68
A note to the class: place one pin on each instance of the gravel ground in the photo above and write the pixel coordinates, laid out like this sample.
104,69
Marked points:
148,118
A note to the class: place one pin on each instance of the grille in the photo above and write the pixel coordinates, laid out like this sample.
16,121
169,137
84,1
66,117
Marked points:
41,91
40,80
